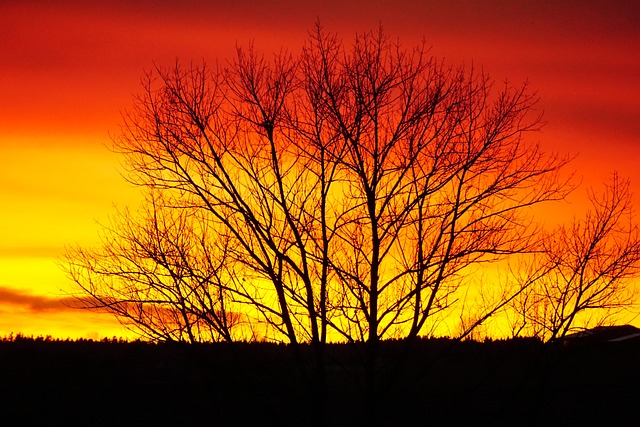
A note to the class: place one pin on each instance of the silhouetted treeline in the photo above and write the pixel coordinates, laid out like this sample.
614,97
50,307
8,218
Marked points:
440,382
19,337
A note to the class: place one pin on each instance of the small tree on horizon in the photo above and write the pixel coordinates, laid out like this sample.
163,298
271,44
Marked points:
583,271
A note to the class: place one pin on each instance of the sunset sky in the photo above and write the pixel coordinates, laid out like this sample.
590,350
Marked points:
67,70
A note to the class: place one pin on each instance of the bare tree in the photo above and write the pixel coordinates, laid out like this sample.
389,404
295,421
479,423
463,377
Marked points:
157,274
583,270
353,186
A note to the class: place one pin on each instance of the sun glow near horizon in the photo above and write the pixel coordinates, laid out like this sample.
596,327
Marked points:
56,189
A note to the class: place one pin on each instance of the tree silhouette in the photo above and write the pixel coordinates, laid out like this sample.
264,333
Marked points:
157,275
583,271
339,194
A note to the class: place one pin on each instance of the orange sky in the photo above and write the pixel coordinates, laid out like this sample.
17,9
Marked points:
67,69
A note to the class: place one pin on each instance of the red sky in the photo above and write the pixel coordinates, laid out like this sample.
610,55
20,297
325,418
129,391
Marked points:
67,69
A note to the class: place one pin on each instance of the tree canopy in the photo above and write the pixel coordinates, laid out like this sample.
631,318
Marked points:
342,193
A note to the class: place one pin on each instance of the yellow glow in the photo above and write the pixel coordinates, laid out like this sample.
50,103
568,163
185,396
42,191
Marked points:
32,302
53,190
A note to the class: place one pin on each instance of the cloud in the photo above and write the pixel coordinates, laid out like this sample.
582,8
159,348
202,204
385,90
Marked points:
36,303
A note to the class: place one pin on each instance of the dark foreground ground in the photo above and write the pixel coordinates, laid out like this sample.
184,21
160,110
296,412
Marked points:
521,382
